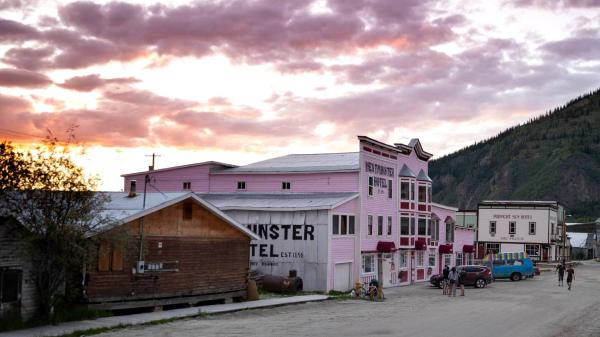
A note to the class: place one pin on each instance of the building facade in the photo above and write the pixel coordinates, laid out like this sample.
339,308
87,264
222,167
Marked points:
533,227
336,218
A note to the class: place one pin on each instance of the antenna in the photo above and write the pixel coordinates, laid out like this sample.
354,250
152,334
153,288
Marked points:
153,155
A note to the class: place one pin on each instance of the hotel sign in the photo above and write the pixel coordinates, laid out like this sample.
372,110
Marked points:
512,216
379,169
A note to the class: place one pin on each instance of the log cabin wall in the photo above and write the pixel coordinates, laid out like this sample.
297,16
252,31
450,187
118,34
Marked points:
212,257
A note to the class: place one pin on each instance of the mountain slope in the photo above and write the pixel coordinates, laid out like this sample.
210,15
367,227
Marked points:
553,157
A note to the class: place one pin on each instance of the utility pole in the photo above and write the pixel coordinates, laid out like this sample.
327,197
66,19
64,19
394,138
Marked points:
153,155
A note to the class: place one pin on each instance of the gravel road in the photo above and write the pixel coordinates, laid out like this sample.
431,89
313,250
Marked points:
527,308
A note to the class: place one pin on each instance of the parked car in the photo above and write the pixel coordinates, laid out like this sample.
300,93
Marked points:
477,276
513,269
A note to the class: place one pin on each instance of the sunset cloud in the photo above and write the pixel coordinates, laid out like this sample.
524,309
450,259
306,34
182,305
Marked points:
23,79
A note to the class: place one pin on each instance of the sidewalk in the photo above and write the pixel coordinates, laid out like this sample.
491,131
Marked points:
115,321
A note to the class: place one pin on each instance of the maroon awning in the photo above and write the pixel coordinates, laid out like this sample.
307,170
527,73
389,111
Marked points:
446,249
468,249
386,246
420,244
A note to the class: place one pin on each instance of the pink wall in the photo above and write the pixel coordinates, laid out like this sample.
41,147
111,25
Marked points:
463,236
309,182
350,207
172,180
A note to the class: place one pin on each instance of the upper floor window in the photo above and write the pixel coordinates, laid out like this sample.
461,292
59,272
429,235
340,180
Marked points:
450,231
404,190
404,223
422,226
286,185
187,185
492,227
389,227
380,225
241,185
435,227
390,194
370,225
412,226
371,185
412,190
343,225
532,228
512,227
422,193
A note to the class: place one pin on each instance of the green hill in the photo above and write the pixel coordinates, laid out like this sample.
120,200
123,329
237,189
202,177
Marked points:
555,156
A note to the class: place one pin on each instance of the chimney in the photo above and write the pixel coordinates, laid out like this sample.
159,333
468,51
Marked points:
132,185
151,168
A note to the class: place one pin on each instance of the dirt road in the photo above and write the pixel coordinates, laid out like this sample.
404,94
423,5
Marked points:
527,308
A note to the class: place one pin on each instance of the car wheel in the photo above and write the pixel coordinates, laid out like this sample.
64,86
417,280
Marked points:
515,277
480,283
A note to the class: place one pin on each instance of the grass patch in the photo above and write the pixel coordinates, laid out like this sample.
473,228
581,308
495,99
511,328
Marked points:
62,315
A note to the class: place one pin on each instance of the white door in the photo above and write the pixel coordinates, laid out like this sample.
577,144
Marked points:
390,276
342,276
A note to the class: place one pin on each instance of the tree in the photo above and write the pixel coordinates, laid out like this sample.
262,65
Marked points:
50,197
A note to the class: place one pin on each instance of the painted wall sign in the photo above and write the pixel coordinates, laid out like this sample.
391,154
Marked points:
279,232
513,216
379,169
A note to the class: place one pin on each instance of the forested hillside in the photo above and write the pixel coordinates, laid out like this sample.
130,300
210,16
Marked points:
552,157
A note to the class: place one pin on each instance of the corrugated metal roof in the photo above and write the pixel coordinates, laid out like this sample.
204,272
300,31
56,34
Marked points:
277,201
347,161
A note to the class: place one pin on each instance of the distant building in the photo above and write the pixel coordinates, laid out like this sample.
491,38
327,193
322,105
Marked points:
534,227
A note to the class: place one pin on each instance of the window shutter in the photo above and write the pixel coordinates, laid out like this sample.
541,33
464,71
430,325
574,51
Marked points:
117,259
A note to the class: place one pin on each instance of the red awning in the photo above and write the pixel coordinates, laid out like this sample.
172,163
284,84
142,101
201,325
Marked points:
468,249
446,249
386,246
420,244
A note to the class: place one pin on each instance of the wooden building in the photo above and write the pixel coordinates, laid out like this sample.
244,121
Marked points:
190,252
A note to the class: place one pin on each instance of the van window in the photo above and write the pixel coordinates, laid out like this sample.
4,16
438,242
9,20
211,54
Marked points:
517,263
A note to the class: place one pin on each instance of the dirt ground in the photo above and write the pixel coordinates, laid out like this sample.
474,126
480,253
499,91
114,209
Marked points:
526,308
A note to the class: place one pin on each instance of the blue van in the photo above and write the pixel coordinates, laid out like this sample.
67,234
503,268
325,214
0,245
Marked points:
515,266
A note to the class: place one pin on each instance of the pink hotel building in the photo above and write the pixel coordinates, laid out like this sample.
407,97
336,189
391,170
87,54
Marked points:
336,218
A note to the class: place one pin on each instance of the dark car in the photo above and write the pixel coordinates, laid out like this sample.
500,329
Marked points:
477,276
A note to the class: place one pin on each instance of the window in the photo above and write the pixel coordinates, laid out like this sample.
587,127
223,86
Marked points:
343,225
10,285
370,225
450,231
435,230
336,225
412,190
241,185
403,260
492,227
286,185
532,250
512,227
389,227
428,193
368,264
412,226
447,260
422,226
404,223
187,211
380,225
390,194
420,259
428,227
432,258
422,193
404,190
532,228
469,257
493,248
459,259
370,185
187,185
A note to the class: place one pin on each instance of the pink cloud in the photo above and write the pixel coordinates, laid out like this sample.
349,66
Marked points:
23,79
93,81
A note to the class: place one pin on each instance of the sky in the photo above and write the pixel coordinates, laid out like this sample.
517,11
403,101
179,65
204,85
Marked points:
242,81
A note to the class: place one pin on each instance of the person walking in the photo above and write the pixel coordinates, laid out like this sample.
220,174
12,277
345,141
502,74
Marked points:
462,277
453,280
445,273
570,275
560,269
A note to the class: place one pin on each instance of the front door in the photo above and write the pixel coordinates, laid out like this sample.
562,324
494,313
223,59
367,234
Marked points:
419,265
342,276
390,275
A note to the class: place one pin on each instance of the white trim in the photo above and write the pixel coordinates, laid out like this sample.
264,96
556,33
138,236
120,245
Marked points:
449,208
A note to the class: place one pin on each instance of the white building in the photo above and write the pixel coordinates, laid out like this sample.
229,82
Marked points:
534,227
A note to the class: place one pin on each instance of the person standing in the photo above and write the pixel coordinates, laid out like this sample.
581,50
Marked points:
462,276
445,273
570,275
452,279
560,269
